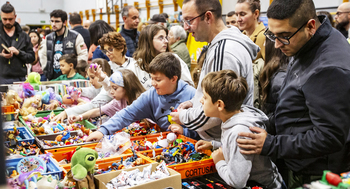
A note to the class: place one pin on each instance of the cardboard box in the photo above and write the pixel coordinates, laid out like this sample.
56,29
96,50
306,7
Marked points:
173,181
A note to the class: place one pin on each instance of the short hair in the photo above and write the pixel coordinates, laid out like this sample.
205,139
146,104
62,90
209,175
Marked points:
97,29
297,11
114,39
231,13
253,4
7,8
58,13
207,5
104,65
70,59
75,18
179,31
125,10
82,67
167,64
227,86
329,16
165,15
25,28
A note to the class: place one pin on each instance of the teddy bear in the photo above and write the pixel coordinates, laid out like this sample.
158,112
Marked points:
82,168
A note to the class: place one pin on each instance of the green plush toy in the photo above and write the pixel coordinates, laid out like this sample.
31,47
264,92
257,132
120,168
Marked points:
34,78
82,168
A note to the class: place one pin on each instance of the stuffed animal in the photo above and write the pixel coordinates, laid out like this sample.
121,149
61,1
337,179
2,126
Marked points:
27,90
73,96
30,106
34,78
12,98
82,168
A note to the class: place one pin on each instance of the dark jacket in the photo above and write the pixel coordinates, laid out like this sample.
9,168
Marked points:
132,39
69,37
312,112
16,66
85,33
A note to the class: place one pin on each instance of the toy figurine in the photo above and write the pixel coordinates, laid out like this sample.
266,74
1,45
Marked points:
73,96
82,168
30,106
11,136
12,98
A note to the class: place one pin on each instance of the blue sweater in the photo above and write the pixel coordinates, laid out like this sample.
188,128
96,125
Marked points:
153,106
99,54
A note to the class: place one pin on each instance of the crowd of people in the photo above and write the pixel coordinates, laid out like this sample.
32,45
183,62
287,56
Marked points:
269,101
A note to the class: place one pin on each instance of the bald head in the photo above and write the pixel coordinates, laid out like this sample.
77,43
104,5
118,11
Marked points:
343,16
344,6
86,24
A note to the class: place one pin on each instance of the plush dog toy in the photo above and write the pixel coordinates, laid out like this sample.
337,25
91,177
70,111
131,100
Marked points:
82,168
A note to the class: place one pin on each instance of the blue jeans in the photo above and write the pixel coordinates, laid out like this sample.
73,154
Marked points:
43,77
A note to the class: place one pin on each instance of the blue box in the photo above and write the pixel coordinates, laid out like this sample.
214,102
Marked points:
24,134
52,167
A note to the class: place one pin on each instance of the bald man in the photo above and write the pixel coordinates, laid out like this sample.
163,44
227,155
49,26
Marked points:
86,24
342,18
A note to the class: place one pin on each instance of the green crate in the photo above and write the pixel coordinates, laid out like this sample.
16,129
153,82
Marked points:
86,123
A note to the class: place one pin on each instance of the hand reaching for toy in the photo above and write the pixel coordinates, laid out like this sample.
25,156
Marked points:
175,128
60,117
203,145
217,155
185,105
73,119
97,136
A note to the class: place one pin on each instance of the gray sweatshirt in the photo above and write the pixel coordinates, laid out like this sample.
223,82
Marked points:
230,49
237,169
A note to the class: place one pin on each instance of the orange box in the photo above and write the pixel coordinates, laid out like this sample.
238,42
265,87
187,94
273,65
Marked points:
7,109
189,169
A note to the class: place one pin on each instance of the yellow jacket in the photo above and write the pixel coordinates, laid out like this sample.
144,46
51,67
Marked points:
259,39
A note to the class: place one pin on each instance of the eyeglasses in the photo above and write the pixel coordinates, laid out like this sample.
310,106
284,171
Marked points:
109,50
284,40
55,21
188,22
162,38
339,13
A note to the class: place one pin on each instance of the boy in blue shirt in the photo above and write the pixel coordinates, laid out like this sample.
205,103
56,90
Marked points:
168,92
68,63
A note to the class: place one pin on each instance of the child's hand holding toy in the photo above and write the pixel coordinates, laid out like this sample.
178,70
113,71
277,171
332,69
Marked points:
97,71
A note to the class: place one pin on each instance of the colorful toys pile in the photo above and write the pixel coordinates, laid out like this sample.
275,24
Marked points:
25,149
141,128
65,139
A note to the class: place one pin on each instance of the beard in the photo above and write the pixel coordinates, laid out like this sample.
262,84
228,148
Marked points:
8,26
341,25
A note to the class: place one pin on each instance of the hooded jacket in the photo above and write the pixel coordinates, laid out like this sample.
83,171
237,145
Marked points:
153,106
237,169
232,50
312,112
16,66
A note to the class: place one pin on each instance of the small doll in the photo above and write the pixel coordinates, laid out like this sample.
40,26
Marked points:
30,106
12,98
73,96
27,90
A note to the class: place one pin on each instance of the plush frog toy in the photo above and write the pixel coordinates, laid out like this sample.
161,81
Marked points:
82,168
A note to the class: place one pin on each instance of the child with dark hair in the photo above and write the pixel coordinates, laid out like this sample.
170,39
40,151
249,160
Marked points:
82,68
68,64
168,92
223,95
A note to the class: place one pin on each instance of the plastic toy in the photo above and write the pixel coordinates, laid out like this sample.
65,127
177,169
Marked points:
30,106
27,91
47,182
32,163
82,168
11,136
73,96
24,178
13,99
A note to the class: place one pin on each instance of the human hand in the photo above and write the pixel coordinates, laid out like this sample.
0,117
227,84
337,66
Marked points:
14,50
175,128
96,70
256,142
97,136
175,117
185,105
217,155
73,119
60,117
6,55
202,145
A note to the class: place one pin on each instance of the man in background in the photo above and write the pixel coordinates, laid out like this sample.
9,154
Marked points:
129,29
342,18
75,22
18,51
231,19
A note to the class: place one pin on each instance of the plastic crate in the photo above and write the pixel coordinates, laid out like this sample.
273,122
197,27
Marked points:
23,133
52,167
86,123
39,140
189,169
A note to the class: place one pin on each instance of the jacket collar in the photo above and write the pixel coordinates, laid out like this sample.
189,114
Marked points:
257,31
177,43
17,26
131,33
321,34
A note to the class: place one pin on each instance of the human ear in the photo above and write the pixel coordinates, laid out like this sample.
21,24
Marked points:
220,105
256,14
174,79
311,27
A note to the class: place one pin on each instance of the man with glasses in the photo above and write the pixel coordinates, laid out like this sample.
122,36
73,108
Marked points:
342,18
129,30
312,112
59,42
228,49
17,50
